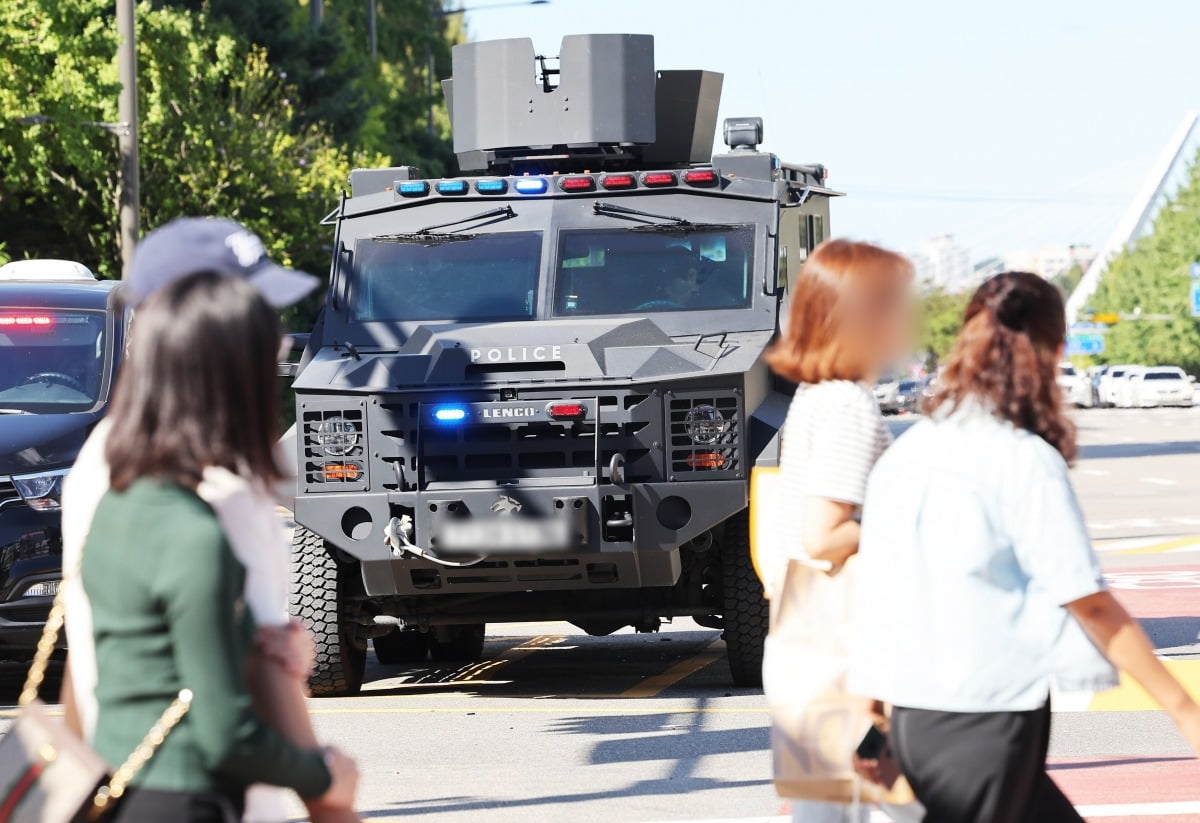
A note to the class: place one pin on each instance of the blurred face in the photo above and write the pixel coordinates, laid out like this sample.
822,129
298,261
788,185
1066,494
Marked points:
882,317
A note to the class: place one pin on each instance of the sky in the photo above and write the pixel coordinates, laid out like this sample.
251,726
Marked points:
1009,124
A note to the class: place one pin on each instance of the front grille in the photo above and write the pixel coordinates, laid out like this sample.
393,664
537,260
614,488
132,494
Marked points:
411,454
344,470
720,456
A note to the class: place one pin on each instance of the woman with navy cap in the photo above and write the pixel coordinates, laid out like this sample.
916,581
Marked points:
183,578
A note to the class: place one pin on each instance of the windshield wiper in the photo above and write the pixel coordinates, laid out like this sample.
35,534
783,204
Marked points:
430,236
670,224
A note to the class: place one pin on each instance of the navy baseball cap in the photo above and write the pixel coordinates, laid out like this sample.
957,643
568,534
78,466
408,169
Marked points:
190,245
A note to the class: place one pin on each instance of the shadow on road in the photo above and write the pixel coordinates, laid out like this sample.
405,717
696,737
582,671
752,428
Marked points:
1112,451
675,737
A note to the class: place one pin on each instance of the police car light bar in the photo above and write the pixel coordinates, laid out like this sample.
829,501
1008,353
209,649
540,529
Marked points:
452,187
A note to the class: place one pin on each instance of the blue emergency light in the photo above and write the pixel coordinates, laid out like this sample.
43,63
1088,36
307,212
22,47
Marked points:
491,186
531,185
450,414
452,187
414,188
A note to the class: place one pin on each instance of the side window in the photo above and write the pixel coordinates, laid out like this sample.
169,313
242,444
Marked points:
816,231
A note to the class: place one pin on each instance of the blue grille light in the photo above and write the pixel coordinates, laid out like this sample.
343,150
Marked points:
452,187
450,414
491,186
414,188
531,185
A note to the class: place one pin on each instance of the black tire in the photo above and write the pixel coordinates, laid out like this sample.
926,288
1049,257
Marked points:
458,644
402,647
745,608
320,585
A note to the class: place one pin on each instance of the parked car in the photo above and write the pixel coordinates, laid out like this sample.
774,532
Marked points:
887,394
61,338
1111,384
1125,388
910,393
1075,387
1162,386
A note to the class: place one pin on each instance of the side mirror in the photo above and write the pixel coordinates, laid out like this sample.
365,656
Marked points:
295,344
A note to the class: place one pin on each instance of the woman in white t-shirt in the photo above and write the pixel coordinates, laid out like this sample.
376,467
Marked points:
975,557
849,322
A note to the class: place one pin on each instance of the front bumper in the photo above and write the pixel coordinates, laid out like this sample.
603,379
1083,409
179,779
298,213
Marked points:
30,552
621,537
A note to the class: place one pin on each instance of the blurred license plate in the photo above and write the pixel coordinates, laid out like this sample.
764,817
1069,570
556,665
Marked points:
496,535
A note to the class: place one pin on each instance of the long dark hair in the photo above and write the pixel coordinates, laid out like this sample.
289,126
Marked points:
197,388
1007,357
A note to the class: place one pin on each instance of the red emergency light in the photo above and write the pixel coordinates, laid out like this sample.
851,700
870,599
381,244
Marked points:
618,181
26,320
560,411
577,184
658,179
700,177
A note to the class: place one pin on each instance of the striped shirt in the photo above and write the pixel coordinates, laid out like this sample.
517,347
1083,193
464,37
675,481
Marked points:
833,435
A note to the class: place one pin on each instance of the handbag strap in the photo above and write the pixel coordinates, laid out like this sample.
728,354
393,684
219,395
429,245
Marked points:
115,788
45,647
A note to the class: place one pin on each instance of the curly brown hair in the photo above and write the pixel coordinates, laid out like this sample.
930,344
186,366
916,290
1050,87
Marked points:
1007,357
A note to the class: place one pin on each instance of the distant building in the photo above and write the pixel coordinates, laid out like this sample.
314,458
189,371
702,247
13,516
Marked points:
1050,261
943,263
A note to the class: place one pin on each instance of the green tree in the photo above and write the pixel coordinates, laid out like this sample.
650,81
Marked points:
220,134
941,315
1152,279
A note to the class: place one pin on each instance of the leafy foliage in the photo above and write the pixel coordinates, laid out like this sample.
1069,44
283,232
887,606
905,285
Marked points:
1153,278
245,111
941,318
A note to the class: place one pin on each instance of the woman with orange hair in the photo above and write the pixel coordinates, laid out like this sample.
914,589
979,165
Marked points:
848,324
976,558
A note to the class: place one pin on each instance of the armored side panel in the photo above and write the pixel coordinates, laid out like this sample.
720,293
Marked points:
369,181
686,104
605,95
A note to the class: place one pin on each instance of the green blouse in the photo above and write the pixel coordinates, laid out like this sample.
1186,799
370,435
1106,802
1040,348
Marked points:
167,608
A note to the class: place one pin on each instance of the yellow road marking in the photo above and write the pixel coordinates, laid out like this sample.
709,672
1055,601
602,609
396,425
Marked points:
653,686
1158,548
1130,697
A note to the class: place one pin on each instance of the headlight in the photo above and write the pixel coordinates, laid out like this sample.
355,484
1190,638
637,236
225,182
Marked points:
41,491
704,424
337,436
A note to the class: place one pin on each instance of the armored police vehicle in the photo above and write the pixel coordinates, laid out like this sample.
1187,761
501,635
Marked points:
536,391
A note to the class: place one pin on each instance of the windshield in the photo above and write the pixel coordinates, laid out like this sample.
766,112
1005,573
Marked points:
465,277
50,360
1162,375
620,271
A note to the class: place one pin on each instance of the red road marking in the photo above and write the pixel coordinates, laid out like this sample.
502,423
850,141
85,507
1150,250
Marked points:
1142,779
1157,601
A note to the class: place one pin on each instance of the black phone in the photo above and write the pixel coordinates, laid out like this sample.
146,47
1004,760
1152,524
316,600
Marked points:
873,744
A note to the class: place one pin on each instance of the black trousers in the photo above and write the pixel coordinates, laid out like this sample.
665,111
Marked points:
152,806
980,767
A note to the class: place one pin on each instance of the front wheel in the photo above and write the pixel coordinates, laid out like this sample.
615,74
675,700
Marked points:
744,607
321,588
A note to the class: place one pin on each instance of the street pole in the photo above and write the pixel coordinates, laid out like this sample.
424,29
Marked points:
127,135
372,38
316,12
